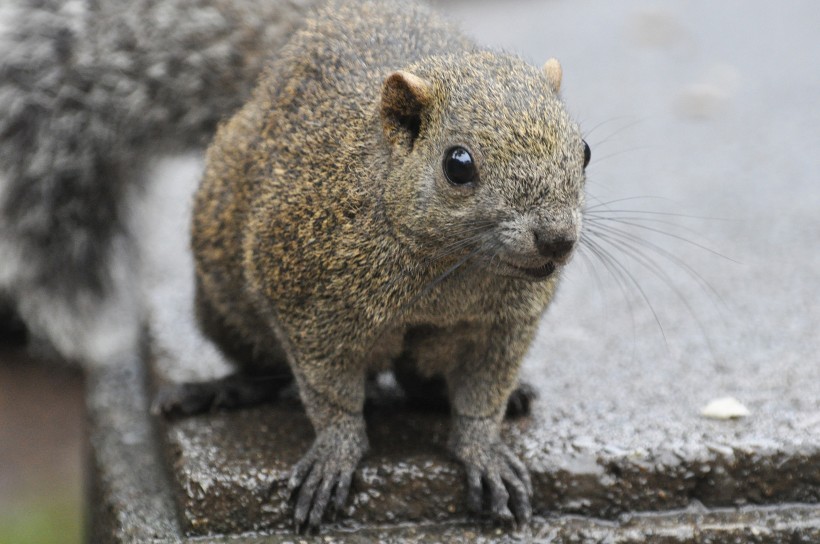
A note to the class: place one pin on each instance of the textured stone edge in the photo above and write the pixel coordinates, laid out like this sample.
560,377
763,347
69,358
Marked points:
208,505
130,498
128,493
788,523
796,524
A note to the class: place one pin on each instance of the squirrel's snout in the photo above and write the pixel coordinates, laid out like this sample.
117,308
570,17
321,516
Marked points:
555,247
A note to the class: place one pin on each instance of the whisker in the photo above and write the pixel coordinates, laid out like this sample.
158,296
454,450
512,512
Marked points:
664,253
677,237
427,289
593,197
407,305
627,199
590,211
620,281
432,285
458,245
450,249
598,217
589,265
639,256
597,160
616,132
625,220
604,254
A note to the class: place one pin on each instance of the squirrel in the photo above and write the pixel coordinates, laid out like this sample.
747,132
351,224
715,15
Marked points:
392,193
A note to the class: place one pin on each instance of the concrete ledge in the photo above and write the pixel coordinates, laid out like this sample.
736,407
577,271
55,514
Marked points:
129,498
230,472
224,464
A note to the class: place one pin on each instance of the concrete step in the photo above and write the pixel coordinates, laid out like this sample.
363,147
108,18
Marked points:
209,479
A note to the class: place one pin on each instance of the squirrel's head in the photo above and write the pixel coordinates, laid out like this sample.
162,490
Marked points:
485,163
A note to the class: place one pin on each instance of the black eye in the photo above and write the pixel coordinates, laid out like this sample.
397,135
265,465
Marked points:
587,153
459,166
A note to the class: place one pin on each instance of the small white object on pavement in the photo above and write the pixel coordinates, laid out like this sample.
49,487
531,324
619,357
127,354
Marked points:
724,408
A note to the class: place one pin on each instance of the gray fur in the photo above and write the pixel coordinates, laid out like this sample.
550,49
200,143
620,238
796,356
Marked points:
88,91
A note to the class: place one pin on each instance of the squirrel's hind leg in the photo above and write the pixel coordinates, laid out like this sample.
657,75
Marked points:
238,390
263,372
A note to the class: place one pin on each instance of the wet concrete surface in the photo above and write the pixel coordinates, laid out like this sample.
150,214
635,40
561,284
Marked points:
226,462
231,468
702,118
244,458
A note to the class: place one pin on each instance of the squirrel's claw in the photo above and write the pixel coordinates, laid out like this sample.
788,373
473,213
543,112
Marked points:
495,469
323,476
474,489
321,498
315,493
520,491
342,490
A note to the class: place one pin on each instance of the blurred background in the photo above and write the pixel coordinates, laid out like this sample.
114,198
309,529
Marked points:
41,448
702,109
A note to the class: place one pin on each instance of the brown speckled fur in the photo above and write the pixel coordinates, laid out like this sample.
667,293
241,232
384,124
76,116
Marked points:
324,224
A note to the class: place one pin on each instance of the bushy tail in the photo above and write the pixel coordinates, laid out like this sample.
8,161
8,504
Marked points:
88,90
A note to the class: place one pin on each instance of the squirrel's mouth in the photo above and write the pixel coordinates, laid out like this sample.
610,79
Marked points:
538,272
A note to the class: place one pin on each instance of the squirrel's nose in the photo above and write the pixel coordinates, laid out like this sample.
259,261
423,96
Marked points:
555,247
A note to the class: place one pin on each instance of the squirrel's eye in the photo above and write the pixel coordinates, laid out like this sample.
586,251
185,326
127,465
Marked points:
587,153
459,166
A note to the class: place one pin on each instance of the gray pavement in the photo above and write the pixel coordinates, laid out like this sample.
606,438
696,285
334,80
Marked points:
703,122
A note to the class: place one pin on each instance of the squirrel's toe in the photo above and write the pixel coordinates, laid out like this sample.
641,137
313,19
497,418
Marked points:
496,475
321,479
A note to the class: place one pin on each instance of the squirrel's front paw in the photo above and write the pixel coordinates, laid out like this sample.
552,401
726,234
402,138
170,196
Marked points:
325,470
496,469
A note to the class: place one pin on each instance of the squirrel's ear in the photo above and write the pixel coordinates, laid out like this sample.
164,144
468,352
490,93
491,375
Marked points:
552,68
404,98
